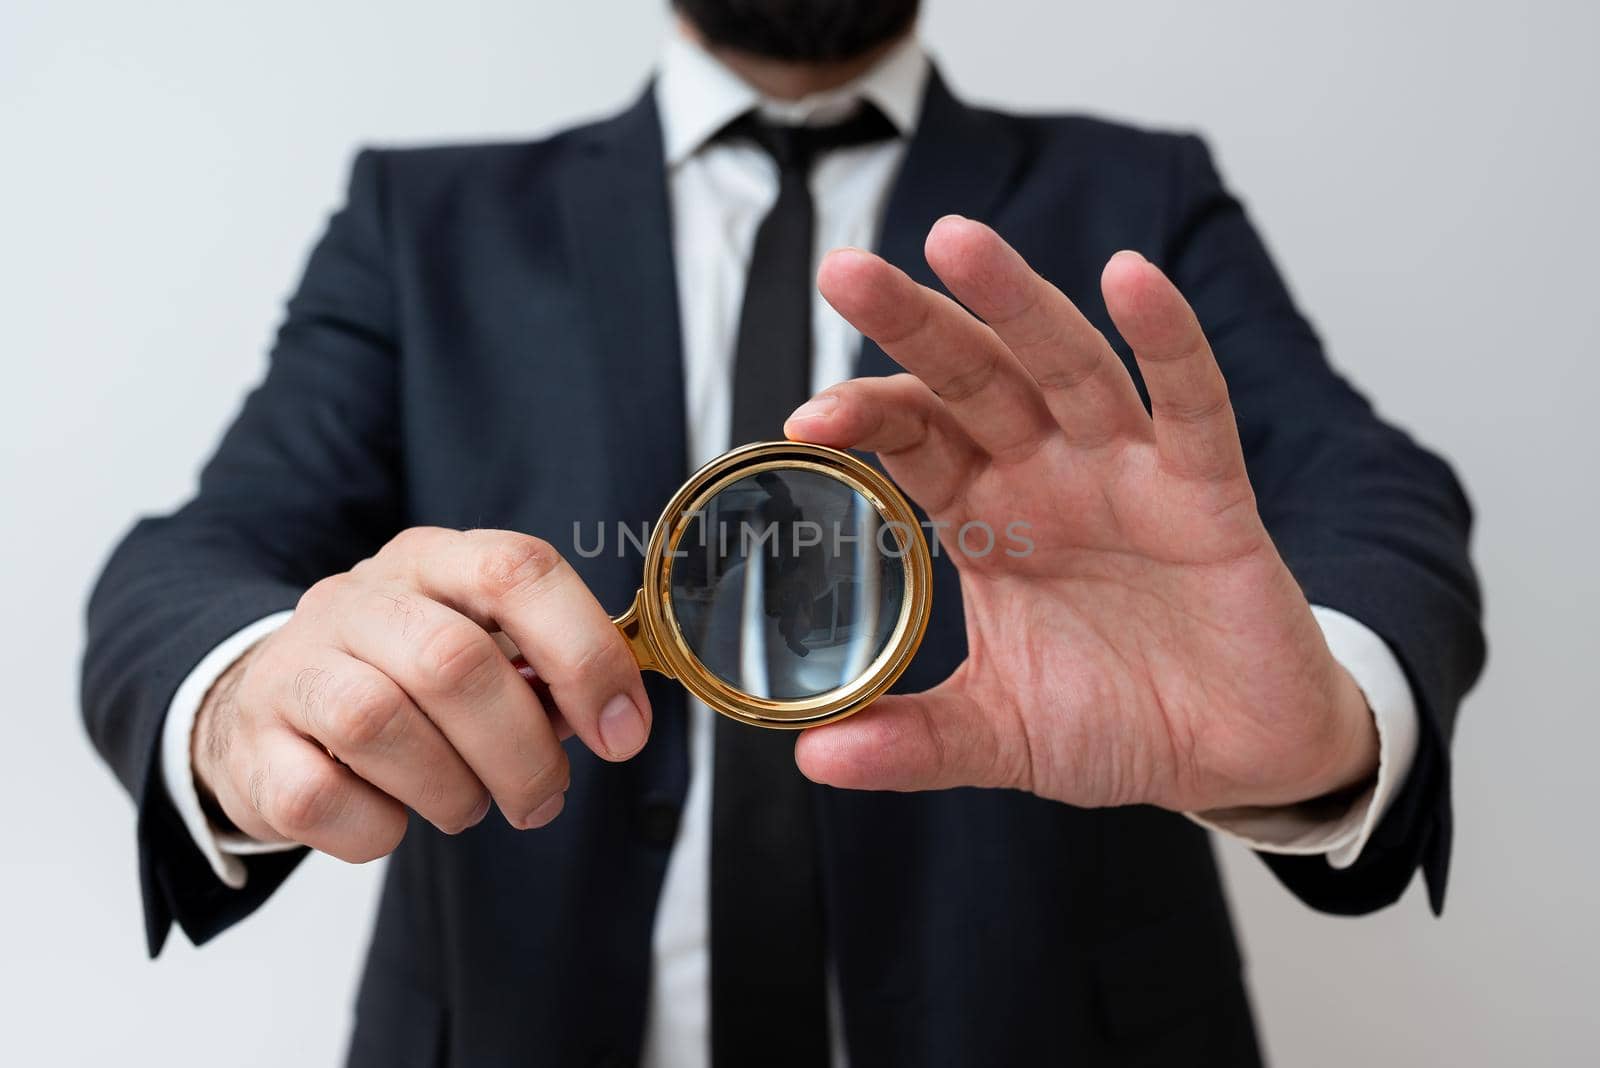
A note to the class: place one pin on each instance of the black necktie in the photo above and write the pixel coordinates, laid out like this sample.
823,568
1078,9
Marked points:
768,984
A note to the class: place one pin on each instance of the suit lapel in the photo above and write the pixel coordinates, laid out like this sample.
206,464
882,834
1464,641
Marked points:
960,161
618,232
619,236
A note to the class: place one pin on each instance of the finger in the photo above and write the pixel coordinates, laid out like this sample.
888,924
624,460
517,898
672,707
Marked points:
1084,384
899,418
523,586
930,335
455,673
1194,425
234,788
928,741
367,721
541,689
298,791
563,729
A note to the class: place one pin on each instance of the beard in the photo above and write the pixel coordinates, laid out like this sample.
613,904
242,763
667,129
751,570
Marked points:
803,30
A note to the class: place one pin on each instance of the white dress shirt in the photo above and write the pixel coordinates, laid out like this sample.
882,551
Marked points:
719,194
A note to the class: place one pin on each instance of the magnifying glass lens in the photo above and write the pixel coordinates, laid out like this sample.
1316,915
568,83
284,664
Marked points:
787,584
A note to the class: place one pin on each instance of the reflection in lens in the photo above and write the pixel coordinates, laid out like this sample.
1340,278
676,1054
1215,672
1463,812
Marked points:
786,585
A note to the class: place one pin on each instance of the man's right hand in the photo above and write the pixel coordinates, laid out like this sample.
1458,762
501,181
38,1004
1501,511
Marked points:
385,690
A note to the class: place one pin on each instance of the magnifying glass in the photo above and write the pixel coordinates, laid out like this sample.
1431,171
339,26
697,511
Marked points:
786,585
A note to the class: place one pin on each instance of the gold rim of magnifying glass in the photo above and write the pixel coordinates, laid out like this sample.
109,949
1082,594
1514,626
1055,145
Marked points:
658,644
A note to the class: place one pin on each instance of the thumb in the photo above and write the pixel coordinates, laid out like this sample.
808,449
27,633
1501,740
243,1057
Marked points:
928,741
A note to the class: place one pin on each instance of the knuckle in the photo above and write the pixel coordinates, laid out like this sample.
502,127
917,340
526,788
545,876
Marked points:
255,788
907,329
467,809
1190,411
310,693
514,565
550,777
1069,377
1026,311
402,551
402,610
386,830
965,384
392,835
302,804
321,594
903,387
367,714
410,541
604,660
454,658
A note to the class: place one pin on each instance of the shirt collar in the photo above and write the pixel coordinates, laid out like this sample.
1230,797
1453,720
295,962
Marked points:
697,95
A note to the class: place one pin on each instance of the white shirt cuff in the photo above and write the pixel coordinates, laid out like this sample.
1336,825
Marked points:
1309,829
221,849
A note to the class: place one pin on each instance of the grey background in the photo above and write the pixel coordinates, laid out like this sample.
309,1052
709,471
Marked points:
1424,171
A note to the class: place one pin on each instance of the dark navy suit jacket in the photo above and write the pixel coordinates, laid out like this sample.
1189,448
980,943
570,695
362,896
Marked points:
488,336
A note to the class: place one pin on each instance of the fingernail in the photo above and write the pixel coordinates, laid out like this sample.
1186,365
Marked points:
816,408
549,810
847,252
1132,252
622,728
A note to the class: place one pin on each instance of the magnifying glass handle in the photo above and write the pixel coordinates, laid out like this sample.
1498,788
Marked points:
639,644
631,624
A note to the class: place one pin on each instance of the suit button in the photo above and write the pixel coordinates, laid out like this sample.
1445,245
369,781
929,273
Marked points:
657,820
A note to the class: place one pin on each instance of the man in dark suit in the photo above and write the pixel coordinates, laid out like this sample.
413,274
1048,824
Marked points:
1249,600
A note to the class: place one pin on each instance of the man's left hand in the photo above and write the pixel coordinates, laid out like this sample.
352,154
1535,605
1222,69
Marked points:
1152,647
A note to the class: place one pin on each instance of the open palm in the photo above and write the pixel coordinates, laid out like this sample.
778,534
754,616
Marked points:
1151,646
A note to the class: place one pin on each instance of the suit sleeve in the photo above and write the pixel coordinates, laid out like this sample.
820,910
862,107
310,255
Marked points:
1370,523
304,484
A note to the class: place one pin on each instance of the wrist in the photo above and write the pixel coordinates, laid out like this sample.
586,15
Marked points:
1353,749
212,734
